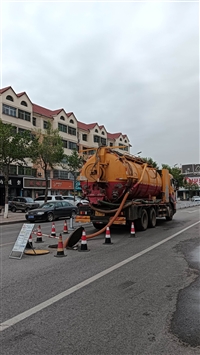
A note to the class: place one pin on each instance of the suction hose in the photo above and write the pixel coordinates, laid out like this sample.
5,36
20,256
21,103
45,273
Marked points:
65,243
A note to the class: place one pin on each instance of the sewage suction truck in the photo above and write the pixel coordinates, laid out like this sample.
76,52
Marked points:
123,188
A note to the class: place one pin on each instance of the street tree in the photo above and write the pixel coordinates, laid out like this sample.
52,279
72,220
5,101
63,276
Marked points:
190,186
15,148
151,162
73,163
48,151
176,173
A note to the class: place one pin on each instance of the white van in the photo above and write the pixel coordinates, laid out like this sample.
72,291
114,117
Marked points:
40,199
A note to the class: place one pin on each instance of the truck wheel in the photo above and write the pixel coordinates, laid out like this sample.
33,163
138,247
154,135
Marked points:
152,218
99,225
142,222
171,213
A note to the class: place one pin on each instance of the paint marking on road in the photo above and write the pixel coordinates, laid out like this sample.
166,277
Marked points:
191,211
12,321
2,245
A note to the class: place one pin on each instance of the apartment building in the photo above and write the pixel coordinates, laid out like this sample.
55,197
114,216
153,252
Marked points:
18,110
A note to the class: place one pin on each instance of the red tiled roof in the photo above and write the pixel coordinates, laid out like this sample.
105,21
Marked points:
48,113
5,89
113,135
86,126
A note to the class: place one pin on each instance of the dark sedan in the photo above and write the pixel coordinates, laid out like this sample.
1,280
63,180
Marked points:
50,211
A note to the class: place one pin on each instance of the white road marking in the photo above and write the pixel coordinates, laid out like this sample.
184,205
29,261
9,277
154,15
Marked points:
191,211
10,322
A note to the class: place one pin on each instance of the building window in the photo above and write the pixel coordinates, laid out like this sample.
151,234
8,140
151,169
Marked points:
64,144
62,127
9,110
14,129
21,130
71,121
123,147
62,118
28,171
45,124
111,144
120,140
24,103
103,141
72,131
60,174
13,170
24,115
96,139
103,133
9,97
72,145
96,130
125,141
34,121
84,137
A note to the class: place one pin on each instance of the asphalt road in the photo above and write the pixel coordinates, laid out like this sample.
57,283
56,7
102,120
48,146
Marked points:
136,296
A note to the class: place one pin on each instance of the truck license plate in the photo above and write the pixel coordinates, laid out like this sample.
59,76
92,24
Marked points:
99,213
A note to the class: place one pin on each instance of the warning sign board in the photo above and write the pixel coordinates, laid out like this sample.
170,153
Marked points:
21,241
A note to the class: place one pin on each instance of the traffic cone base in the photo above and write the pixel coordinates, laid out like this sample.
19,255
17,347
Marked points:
132,233
83,246
107,236
60,249
39,236
29,244
53,231
65,228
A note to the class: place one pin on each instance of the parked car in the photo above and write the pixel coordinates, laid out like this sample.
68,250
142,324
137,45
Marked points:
77,202
196,198
23,204
40,199
50,211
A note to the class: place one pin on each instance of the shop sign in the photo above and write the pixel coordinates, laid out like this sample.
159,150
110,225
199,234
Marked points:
193,180
62,185
12,182
35,183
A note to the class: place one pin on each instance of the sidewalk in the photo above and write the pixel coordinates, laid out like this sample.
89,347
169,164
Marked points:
19,217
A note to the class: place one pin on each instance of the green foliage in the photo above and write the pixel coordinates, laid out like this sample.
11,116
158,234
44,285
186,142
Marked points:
15,148
176,173
74,162
48,150
151,162
189,185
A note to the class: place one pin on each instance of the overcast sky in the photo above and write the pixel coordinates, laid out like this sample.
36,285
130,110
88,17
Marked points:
132,67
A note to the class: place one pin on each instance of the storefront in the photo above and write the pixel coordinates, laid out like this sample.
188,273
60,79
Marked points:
15,188
61,187
35,187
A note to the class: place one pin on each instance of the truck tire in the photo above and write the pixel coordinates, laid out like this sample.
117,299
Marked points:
99,225
171,214
152,218
141,223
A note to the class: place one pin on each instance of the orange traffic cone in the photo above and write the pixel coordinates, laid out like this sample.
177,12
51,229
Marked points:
132,234
39,236
107,236
53,231
29,245
83,246
65,228
60,249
